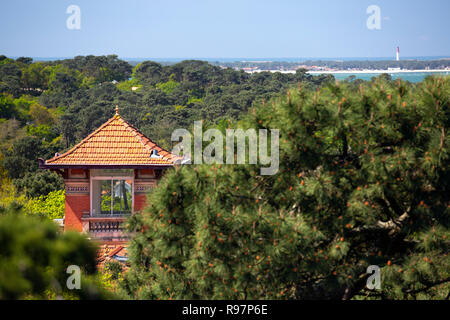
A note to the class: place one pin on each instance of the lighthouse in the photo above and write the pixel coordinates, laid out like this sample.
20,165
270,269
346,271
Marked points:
398,54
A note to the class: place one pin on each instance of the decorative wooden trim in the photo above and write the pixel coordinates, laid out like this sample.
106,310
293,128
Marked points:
143,186
77,187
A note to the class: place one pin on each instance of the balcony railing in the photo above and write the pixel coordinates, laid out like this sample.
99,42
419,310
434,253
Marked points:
105,227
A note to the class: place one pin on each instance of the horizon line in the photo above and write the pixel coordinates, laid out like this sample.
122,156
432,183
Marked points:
236,59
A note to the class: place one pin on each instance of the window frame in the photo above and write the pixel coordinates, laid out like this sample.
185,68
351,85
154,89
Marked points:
112,178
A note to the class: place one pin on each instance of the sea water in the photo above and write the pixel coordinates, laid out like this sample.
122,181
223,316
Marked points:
413,77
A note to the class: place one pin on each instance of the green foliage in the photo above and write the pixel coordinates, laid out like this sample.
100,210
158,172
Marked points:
42,182
44,132
131,83
36,76
5,60
10,79
100,68
82,88
363,180
128,85
21,165
169,86
7,108
23,105
115,268
64,80
148,71
51,206
194,100
35,257
355,158
205,92
111,277
10,196
41,115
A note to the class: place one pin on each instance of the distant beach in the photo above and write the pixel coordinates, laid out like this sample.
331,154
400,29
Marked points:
377,71
350,72
413,76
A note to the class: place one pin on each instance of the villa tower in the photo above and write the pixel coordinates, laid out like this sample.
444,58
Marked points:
106,178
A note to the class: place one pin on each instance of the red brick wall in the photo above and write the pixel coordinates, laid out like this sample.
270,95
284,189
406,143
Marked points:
139,201
75,206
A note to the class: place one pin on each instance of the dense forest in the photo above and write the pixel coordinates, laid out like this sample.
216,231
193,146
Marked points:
363,180
47,107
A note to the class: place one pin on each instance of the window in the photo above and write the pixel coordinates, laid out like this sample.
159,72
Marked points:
111,195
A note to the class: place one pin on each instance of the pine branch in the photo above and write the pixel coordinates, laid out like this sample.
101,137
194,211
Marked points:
357,286
428,286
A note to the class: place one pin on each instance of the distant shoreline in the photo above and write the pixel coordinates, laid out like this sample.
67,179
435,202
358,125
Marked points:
378,71
356,71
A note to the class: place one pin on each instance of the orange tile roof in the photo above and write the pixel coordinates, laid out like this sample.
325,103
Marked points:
106,253
115,143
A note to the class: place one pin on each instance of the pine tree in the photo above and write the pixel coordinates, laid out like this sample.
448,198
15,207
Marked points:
363,180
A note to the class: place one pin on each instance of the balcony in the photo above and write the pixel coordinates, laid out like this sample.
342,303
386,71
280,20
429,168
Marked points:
105,227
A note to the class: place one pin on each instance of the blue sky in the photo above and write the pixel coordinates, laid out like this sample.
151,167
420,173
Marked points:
225,29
